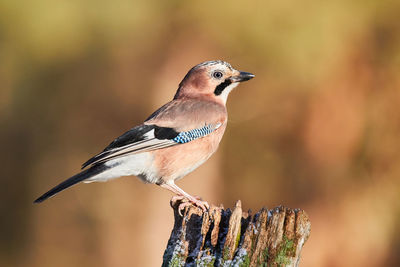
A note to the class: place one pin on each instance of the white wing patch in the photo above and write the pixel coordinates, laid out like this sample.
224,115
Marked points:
150,142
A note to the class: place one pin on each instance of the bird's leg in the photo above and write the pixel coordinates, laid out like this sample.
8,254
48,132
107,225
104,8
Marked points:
171,186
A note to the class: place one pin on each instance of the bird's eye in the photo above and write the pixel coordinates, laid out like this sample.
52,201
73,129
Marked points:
217,75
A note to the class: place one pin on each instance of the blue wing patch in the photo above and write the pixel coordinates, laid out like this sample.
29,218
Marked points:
184,137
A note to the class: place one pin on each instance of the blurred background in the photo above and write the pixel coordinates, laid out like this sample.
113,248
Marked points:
317,129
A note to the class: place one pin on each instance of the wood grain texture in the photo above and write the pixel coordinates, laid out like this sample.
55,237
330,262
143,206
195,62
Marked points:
224,237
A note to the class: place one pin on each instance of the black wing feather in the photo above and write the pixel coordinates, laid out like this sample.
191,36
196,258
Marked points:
162,133
134,135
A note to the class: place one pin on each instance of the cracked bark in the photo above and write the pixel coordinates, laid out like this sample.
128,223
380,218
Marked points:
222,237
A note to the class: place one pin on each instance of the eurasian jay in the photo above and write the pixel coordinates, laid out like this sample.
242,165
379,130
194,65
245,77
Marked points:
174,140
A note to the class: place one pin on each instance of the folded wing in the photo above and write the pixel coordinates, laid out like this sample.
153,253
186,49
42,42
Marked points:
147,137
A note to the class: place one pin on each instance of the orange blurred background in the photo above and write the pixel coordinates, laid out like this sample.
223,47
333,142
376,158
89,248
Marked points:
317,129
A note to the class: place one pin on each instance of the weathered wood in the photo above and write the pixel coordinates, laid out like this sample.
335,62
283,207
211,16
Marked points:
222,237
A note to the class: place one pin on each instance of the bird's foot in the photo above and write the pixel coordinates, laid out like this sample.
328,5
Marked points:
185,202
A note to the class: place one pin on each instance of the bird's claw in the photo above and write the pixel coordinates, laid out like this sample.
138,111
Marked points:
186,202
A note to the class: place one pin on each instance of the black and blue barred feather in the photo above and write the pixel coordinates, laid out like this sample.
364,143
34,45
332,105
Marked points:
184,137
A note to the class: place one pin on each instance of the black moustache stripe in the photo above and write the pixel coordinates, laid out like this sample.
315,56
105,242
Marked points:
218,90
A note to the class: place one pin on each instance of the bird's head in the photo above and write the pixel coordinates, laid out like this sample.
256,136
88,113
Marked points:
214,79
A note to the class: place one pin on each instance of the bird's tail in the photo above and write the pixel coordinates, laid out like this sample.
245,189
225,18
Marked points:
83,175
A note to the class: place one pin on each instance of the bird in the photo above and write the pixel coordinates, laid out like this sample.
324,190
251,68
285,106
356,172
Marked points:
174,140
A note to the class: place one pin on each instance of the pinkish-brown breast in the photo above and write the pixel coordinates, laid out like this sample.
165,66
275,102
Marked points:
177,161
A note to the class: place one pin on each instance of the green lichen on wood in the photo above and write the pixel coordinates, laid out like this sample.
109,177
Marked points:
283,256
245,261
265,256
241,259
206,259
225,254
263,259
205,262
237,239
176,261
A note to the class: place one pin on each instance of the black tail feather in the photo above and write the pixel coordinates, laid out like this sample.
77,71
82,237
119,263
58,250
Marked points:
72,181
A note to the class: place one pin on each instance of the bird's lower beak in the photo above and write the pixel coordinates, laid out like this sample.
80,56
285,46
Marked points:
242,76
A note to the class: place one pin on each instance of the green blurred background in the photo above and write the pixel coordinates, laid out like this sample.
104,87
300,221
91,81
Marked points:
317,129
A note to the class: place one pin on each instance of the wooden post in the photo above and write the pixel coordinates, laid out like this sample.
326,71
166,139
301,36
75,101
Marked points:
222,237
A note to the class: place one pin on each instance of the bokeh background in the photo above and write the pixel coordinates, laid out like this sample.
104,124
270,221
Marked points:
317,129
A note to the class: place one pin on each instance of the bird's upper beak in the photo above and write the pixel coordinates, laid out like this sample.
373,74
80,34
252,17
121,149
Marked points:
242,76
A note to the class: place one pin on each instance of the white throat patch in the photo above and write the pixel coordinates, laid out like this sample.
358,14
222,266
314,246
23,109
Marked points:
227,90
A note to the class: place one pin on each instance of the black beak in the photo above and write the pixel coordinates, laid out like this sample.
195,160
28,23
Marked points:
242,77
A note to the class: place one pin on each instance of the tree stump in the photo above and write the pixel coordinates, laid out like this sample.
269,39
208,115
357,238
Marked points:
222,237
